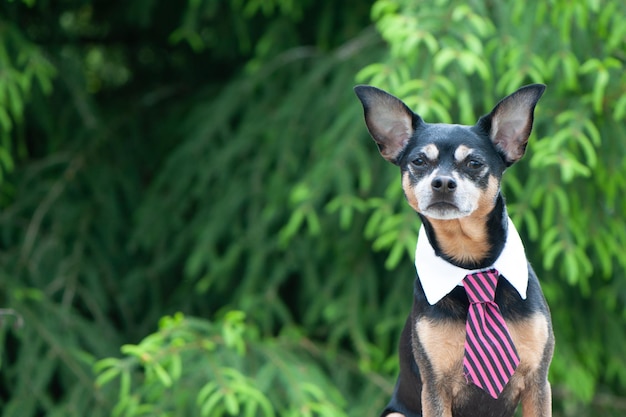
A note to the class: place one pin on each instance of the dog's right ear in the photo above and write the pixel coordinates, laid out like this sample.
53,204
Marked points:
389,121
510,122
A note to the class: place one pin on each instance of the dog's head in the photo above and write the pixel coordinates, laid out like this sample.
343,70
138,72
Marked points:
450,171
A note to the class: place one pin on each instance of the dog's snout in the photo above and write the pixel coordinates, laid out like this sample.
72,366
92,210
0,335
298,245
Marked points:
443,184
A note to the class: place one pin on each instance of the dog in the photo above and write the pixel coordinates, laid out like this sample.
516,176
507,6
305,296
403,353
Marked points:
451,177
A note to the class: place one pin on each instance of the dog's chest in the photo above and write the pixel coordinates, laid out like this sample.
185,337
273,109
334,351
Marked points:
439,347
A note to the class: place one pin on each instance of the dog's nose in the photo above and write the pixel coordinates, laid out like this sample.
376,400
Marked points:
443,184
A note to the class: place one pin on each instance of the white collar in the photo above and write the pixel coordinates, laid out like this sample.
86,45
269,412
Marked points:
438,276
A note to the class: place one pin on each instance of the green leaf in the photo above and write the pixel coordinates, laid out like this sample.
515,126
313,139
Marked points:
176,367
602,80
125,385
162,374
550,254
5,120
395,255
106,376
443,58
103,364
619,110
211,403
205,392
231,404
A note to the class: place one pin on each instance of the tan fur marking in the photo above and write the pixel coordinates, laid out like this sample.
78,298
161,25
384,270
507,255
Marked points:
488,198
431,152
537,401
444,345
530,337
461,153
465,239
409,193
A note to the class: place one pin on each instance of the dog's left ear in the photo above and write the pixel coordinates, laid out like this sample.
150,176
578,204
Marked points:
389,121
511,120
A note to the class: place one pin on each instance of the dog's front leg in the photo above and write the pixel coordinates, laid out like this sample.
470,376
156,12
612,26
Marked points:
435,403
537,401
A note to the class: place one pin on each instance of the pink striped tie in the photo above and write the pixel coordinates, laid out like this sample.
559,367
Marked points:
490,356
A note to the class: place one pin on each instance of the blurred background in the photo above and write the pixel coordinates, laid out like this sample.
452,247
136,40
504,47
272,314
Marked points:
195,222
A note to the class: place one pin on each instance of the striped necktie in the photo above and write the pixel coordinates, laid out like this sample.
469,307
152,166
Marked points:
490,356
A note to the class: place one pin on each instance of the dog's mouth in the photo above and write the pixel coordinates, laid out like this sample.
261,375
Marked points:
442,205
444,210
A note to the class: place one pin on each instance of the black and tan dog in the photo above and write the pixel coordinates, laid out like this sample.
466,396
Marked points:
451,178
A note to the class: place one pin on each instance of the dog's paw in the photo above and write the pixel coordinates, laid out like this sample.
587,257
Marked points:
395,415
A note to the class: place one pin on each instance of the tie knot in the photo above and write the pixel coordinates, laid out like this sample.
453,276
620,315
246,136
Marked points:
481,286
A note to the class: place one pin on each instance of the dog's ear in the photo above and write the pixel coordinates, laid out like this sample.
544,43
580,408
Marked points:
389,121
511,120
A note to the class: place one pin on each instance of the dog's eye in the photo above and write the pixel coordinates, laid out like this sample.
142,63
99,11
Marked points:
419,162
474,164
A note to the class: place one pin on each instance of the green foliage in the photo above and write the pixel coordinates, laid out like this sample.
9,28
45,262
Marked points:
23,64
210,158
193,367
